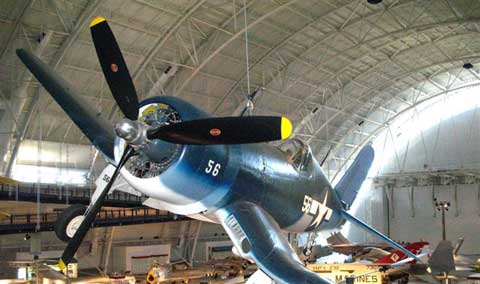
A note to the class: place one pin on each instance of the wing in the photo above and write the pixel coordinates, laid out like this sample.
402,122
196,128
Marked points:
96,127
256,236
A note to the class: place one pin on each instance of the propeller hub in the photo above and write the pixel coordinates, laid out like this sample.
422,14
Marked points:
133,132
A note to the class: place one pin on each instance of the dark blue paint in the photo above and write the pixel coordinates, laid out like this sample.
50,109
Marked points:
258,173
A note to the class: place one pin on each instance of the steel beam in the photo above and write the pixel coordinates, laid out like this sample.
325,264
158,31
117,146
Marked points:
274,49
343,52
230,40
82,22
390,121
18,100
396,79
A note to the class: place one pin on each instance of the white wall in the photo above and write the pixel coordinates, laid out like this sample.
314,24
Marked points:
452,142
368,207
461,221
124,257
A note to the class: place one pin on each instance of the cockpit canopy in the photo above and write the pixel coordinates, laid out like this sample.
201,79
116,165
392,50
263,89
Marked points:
298,153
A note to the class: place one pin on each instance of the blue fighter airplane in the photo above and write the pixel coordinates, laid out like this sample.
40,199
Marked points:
210,168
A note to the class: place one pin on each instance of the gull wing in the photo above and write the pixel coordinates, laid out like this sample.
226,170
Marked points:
257,237
96,127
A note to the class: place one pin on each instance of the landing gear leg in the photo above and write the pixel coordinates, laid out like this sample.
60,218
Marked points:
71,218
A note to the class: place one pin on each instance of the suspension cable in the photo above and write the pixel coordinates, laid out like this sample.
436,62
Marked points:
246,45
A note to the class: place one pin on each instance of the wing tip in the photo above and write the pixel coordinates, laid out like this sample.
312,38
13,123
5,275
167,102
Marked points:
97,21
367,151
20,52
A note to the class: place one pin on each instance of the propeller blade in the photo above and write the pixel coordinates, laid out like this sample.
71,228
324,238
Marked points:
92,211
114,68
224,130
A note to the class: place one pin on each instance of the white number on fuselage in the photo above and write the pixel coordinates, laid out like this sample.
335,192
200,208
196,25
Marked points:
213,168
106,178
319,210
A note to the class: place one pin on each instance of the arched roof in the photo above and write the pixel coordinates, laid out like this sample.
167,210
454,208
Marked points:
339,69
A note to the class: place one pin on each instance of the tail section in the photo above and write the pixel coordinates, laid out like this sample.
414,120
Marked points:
442,258
348,187
347,190
398,255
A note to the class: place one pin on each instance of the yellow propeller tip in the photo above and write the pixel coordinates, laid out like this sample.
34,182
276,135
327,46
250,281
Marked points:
61,264
286,128
97,21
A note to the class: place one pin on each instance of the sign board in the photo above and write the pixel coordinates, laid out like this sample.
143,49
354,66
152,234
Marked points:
338,272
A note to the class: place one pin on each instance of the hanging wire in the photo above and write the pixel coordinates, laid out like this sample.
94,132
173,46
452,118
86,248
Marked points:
60,170
39,168
246,44
67,159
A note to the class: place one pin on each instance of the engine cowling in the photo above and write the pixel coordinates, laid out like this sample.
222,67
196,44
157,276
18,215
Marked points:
174,175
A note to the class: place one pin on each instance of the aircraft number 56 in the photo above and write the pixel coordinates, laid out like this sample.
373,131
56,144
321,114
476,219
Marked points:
106,178
213,168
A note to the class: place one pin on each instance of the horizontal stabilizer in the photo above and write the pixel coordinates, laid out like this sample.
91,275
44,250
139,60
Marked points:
97,128
348,187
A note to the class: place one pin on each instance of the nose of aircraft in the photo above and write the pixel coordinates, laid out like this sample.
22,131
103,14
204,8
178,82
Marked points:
161,151
130,130
127,130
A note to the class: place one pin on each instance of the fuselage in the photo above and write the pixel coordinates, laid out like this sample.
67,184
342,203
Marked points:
288,184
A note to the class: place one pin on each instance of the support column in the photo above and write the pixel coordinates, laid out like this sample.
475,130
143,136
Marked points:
386,206
108,250
195,241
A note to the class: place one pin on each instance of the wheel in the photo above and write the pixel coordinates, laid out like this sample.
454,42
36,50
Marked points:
403,280
68,221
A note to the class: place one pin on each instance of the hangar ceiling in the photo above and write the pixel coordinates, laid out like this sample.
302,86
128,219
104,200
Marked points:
341,70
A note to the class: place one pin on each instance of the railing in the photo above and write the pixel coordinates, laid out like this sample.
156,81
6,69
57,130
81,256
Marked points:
127,216
51,193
